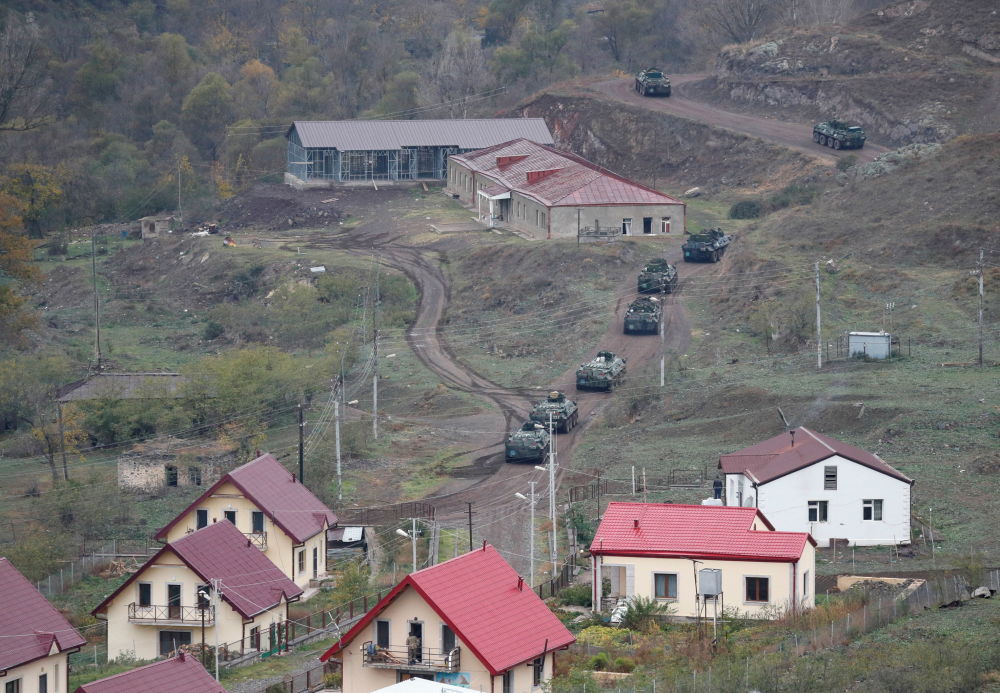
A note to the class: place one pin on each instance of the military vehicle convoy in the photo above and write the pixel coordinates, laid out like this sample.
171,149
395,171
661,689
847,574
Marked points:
658,276
643,316
652,82
563,410
838,135
602,373
707,246
529,443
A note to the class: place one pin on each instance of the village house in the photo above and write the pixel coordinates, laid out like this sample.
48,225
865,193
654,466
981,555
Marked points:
35,639
670,553
171,463
211,585
471,621
547,193
273,509
322,153
182,672
808,482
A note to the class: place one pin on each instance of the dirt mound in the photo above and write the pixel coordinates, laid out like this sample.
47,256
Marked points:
273,207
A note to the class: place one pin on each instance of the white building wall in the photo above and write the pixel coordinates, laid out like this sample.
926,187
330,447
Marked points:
785,502
55,668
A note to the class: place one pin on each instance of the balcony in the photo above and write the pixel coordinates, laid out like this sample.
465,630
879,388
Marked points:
258,539
398,658
170,615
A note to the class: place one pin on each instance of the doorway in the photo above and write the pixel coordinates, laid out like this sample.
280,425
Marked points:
647,225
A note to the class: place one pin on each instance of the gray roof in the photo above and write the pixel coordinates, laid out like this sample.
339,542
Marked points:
347,135
124,386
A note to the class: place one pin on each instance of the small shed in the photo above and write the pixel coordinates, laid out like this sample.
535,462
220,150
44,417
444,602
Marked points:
152,227
873,345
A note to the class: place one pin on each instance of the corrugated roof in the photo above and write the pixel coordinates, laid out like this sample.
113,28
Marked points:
702,531
778,456
29,624
278,494
556,178
348,135
181,673
477,595
124,386
251,583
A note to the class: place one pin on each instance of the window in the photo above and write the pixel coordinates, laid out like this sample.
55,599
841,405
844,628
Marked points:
871,509
257,519
43,683
302,561
537,669
543,220
757,589
255,638
170,640
665,225
447,639
830,478
202,516
626,226
805,584
145,594
382,633
507,683
171,475
194,476
315,562
665,585
817,511
231,516
13,687
173,601
536,217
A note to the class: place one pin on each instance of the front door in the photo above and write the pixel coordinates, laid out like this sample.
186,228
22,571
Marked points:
416,646
315,562
173,601
647,224
627,226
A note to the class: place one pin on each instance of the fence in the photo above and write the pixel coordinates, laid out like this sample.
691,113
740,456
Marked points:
93,555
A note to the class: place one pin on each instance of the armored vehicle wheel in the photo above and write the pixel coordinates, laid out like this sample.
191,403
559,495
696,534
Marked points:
822,140
815,137
837,144
715,256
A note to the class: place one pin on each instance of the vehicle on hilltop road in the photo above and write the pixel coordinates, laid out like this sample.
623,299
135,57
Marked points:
601,373
562,410
706,246
652,82
529,443
838,135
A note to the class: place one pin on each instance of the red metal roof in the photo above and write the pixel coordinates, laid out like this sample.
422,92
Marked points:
705,531
273,489
794,450
574,181
251,583
477,595
29,624
181,673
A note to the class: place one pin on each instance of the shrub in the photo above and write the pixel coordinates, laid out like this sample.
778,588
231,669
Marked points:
623,664
577,595
642,612
847,162
600,662
792,196
213,330
745,209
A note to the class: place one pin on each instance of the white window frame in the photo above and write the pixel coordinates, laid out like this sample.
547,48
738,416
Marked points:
626,226
874,507
664,224
818,506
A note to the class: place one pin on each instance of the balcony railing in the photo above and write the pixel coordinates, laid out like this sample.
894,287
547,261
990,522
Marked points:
170,615
258,539
426,659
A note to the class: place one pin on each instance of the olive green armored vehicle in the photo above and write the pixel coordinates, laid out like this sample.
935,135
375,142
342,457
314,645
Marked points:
602,373
707,246
652,82
838,135
643,316
563,410
529,443
658,276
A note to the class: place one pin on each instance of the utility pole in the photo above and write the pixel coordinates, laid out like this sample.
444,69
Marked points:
470,525
663,348
979,274
97,300
412,535
645,495
216,593
819,332
336,435
180,218
531,533
375,302
552,494
302,449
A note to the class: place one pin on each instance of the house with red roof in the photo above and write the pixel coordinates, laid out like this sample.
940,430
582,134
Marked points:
471,622
213,585
273,509
808,482
182,672
674,553
548,193
35,639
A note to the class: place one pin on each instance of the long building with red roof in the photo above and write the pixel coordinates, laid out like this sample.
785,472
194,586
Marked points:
180,673
662,551
471,621
547,193
809,482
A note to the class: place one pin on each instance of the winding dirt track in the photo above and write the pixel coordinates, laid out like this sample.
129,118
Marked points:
797,136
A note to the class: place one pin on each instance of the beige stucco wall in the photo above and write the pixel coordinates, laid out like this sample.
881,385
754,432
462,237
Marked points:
780,581
280,547
142,640
407,606
55,666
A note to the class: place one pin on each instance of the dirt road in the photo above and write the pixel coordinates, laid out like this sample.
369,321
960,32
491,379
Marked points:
797,136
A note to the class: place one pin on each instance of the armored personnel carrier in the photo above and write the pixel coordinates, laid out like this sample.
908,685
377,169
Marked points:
838,135
562,408
652,82
529,443
602,373
657,276
707,246
643,316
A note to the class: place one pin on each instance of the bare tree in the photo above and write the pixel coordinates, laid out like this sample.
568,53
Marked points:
460,71
742,20
23,82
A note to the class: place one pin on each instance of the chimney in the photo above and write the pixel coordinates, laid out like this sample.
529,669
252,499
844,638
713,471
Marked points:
293,477
635,524
520,583
792,434
484,544
535,176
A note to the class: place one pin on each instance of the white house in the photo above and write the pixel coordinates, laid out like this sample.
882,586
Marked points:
808,482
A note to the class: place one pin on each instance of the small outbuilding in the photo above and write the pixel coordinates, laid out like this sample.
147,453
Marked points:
872,345
152,227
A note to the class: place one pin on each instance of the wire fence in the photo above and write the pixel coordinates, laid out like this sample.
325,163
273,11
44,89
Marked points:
95,557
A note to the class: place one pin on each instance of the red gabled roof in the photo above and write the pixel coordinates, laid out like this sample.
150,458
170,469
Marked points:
29,624
251,583
795,449
181,673
273,489
477,595
569,180
703,531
